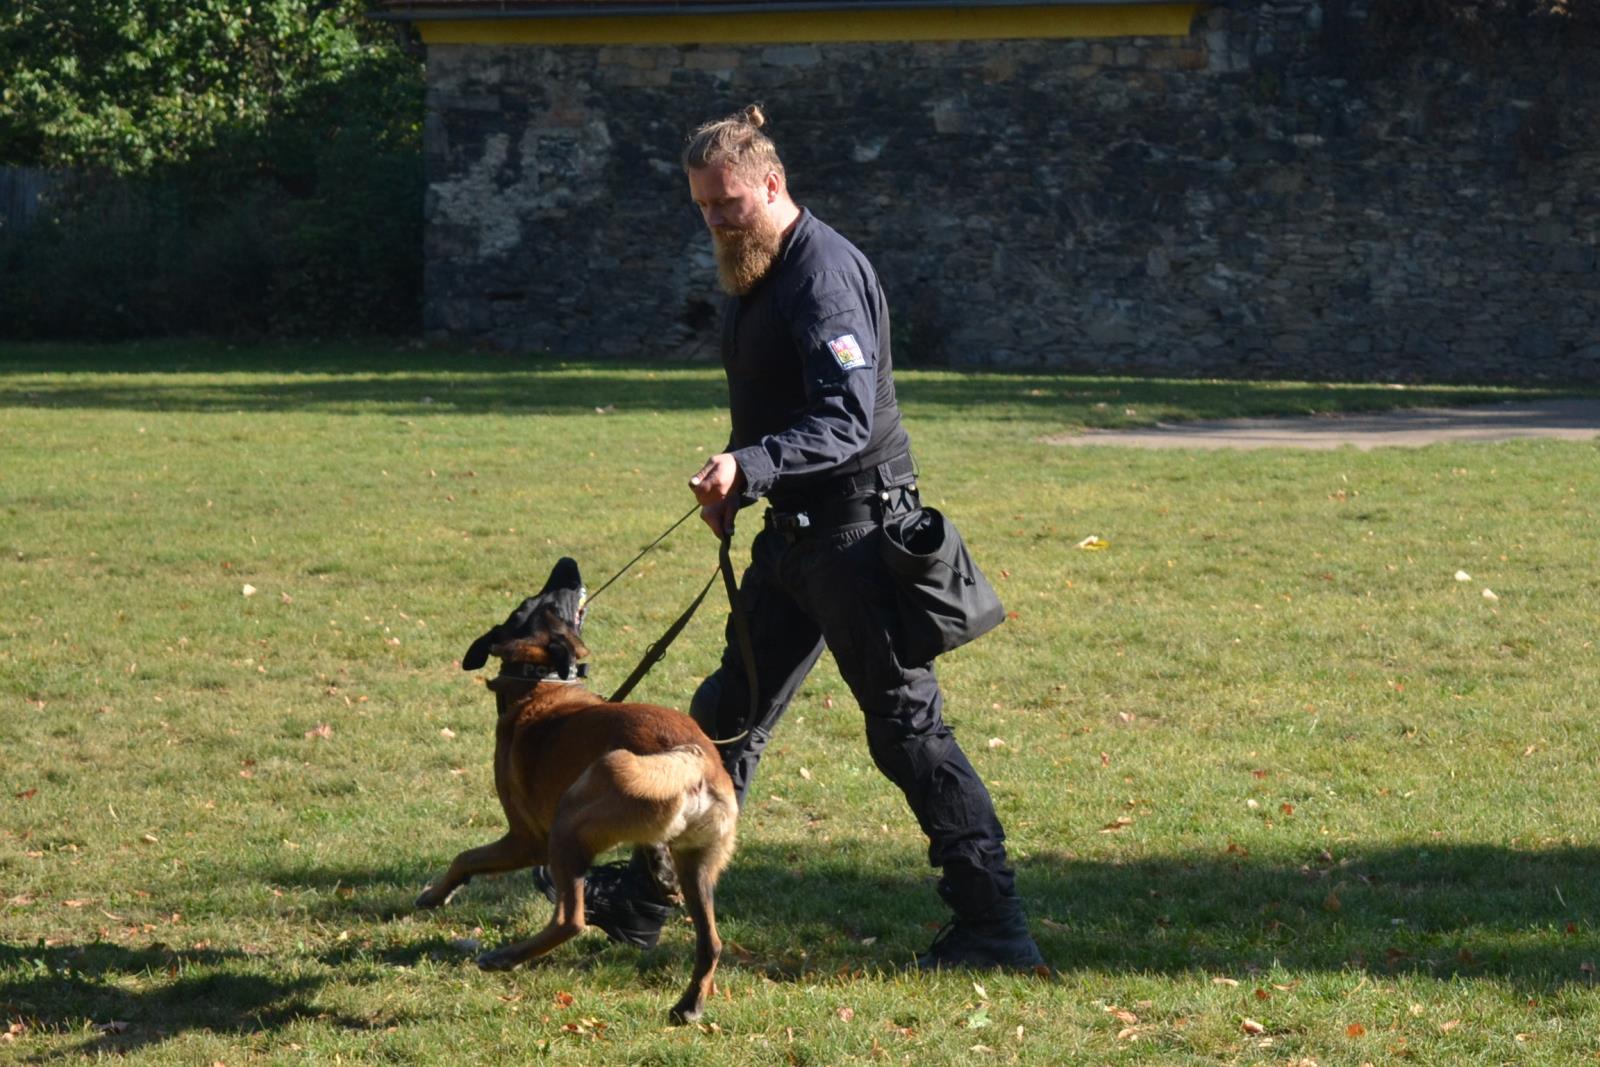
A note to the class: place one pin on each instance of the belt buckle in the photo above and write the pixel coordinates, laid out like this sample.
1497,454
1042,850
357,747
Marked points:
790,522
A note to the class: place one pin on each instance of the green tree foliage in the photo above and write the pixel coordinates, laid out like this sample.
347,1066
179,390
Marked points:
233,167
126,85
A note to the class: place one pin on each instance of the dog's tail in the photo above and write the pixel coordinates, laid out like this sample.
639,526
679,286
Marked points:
661,776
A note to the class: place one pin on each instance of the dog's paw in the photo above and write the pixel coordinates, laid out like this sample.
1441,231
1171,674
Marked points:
501,959
434,896
684,1012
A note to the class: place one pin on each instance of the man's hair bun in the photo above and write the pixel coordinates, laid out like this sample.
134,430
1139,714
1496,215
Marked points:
737,142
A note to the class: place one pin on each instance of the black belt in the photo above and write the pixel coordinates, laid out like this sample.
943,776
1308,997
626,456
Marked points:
836,514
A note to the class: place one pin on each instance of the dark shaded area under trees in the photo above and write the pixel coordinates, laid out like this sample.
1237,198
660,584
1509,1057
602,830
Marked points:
222,167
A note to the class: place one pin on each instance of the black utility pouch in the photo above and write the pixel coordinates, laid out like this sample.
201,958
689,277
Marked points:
945,601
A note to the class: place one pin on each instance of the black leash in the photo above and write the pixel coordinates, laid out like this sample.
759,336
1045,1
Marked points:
625,567
658,649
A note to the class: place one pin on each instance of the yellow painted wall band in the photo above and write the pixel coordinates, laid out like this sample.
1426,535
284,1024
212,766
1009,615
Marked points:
916,24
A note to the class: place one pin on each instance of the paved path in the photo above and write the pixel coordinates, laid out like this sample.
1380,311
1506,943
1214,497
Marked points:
1573,419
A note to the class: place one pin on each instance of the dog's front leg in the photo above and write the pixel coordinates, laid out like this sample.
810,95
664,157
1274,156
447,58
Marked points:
507,854
565,924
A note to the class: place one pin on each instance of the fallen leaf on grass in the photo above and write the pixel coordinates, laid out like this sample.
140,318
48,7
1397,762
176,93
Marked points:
564,999
447,733
1119,823
322,730
1445,1028
1488,594
28,794
1128,1033
1355,1030
846,1014
1122,1015
248,590
1225,981
1463,576
805,773
1092,543
1250,1026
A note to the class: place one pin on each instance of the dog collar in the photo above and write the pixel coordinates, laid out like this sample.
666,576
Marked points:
532,672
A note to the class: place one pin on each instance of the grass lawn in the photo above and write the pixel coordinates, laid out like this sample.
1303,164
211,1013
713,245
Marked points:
1301,769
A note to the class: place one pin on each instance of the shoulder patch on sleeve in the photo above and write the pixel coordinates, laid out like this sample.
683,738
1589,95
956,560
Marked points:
847,352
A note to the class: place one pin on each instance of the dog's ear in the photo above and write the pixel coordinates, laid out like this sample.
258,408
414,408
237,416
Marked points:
478,652
563,646
558,655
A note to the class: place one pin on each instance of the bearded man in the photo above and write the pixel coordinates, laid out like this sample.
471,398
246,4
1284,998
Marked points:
816,431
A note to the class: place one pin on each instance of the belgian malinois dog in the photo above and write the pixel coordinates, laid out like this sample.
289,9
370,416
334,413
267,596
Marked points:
577,776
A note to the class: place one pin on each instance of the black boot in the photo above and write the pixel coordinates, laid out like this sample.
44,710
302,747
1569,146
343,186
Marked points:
988,931
983,945
630,899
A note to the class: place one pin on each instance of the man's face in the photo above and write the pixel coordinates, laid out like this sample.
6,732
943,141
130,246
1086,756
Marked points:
726,201
739,215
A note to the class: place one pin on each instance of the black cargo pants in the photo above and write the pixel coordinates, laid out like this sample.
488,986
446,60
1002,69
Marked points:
827,587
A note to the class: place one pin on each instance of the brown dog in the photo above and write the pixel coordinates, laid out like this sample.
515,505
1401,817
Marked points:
577,776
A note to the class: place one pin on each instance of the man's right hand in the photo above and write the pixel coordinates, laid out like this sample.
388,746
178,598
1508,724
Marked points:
716,485
719,516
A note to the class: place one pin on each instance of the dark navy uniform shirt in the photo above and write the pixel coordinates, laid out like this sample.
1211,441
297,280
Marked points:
810,379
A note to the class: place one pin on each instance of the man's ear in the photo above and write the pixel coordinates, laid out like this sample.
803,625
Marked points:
774,183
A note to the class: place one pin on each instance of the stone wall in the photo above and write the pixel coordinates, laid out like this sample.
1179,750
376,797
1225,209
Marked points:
1260,199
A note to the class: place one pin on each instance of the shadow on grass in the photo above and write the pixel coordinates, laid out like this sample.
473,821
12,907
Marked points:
188,989
408,381
1526,918
1438,911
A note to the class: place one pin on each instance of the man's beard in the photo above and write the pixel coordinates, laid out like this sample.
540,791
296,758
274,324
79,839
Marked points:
744,255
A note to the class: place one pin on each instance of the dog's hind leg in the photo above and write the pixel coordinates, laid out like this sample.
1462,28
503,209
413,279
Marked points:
506,854
697,876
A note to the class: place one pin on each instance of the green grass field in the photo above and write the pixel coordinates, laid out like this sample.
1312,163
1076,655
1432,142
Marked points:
1281,788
